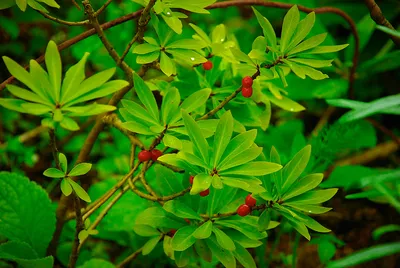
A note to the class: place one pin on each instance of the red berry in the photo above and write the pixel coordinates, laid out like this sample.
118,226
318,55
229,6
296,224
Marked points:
250,201
243,210
172,233
144,155
191,178
155,154
247,81
187,220
247,92
205,193
208,65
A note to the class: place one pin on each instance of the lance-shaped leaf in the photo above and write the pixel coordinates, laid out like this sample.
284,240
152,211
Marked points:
289,26
204,230
295,168
303,185
223,239
146,96
224,256
313,197
267,28
181,210
303,29
256,168
222,136
183,238
150,245
54,68
196,136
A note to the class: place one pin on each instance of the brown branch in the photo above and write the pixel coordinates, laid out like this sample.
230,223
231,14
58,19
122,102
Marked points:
64,22
379,18
320,10
143,21
384,130
130,258
79,227
102,8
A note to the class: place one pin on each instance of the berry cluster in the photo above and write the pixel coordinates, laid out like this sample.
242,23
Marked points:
145,155
245,209
247,89
203,193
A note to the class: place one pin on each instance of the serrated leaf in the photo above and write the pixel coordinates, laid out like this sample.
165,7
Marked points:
80,169
34,221
181,210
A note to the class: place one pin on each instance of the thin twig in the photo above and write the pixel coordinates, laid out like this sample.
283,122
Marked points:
379,18
143,21
102,8
129,258
384,130
53,146
64,22
79,227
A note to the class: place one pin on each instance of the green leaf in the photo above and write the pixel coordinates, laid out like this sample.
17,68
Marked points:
139,112
203,251
313,63
366,255
54,68
277,176
54,173
32,222
244,257
183,238
6,4
325,49
181,210
20,73
74,77
63,162
98,263
169,106
145,49
145,230
156,217
168,247
196,100
80,192
27,95
204,230
173,22
201,182
313,209
190,44
264,220
351,104
224,256
377,233
388,30
313,197
267,28
21,4
201,33
373,108
285,103
196,136
326,251
24,255
303,29
66,187
182,258
295,168
237,145
150,245
69,124
308,44
249,184
256,168
313,74
240,56
13,104
196,7
80,169
281,74
290,23
303,185
146,96
246,229
222,136
223,239
167,65
242,158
